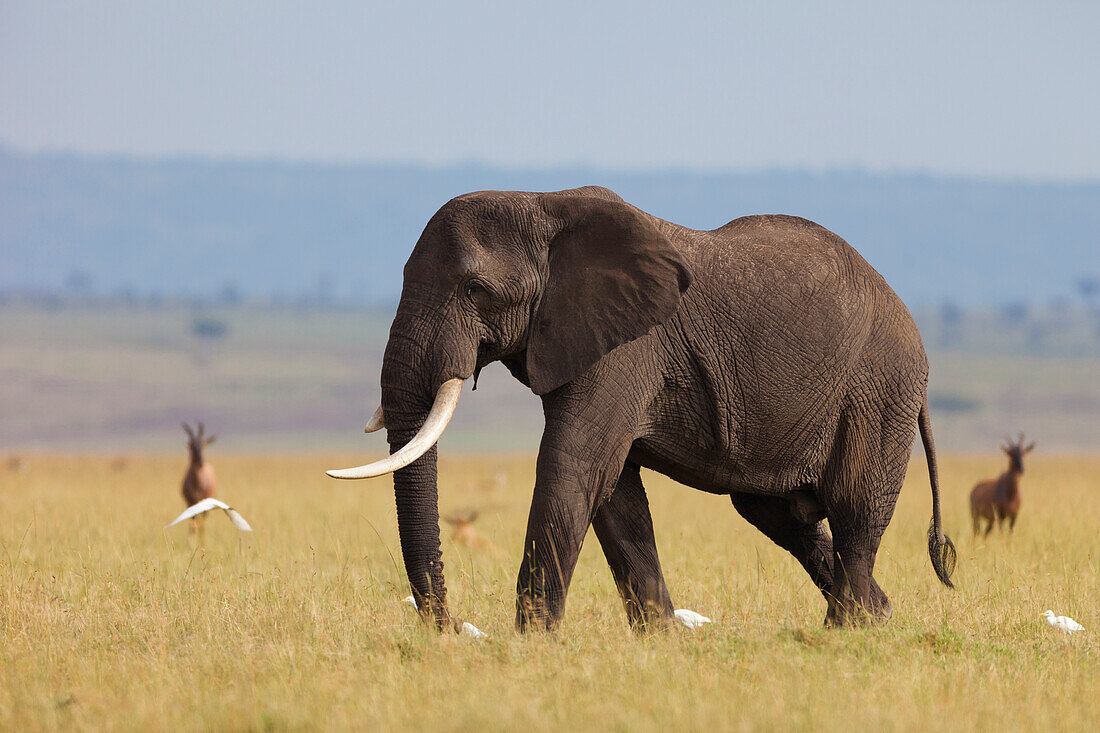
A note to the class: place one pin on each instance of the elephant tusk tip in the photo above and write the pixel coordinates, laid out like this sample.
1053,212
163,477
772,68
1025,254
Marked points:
355,473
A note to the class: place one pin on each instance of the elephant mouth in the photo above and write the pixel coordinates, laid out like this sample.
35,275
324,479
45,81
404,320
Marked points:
443,408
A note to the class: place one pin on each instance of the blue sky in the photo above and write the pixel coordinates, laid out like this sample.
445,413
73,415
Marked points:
989,89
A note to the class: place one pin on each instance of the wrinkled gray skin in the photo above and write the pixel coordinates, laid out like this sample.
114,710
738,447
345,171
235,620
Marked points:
765,360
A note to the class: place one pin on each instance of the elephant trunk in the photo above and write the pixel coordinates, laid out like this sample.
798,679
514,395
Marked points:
417,499
407,401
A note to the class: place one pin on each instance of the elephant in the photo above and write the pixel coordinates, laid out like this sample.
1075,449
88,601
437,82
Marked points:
765,360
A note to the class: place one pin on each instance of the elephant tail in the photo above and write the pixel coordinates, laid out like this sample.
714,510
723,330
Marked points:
940,547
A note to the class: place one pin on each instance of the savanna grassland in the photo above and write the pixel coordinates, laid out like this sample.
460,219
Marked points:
107,621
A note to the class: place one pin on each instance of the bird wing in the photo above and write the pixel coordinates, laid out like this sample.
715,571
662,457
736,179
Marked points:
237,520
1069,624
198,508
211,503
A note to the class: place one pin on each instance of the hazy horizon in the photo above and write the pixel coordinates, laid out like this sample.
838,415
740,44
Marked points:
341,232
479,164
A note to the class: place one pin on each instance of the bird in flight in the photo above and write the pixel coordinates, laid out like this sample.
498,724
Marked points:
1065,623
211,503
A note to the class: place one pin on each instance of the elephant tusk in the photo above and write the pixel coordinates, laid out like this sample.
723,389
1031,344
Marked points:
377,421
446,399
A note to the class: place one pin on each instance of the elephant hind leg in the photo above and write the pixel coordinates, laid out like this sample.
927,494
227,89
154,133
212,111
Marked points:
808,541
850,596
859,490
624,528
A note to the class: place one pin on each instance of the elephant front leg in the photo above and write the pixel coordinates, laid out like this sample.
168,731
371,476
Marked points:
559,519
580,460
624,527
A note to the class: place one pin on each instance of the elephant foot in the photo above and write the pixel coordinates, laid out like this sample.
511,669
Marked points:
650,615
690,619
462,628
655,618
880,609
533,614
846,613
839,615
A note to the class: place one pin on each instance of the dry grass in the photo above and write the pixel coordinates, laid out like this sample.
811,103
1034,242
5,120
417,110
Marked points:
106,621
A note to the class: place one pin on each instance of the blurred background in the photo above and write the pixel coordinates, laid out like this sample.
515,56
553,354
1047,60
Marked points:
205,207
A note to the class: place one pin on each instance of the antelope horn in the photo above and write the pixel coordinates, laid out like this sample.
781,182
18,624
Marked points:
377,421
446,399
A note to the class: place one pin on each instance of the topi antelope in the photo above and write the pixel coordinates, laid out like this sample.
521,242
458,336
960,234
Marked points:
999,499
464,532
199,482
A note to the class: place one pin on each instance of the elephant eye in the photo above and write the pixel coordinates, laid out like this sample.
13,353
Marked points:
476,291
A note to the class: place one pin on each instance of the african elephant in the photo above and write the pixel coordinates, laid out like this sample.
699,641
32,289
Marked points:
764,359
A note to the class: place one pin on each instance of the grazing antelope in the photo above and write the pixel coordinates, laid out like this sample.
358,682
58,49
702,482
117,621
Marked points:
199,482
999,499
464,532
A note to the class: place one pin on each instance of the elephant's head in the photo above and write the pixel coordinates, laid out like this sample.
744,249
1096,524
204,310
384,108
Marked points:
546,283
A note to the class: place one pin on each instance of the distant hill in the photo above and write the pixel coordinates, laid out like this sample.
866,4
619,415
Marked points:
232,229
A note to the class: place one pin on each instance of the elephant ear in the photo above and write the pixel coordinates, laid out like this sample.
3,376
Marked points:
612,276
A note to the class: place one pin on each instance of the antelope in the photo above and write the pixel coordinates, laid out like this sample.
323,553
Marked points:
999,499
464,532
199,482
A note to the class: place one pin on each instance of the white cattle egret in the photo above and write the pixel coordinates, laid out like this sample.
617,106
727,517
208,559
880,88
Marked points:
1065,623
691,619
467,628
211,503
